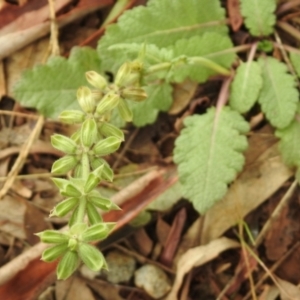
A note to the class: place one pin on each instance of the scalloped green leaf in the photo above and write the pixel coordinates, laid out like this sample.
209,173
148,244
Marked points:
160,99
208,153
149,53
289,145
203,46
295,59
160,23
245,87
259,16
51,88
278,96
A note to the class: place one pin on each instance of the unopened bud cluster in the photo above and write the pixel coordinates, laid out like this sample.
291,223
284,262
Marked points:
84,163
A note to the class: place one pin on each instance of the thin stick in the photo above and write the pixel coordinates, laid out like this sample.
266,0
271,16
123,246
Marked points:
289,29
125,148
18,114
22,157
54,45
273,269
283,202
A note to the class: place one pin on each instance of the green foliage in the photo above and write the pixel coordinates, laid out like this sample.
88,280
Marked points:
278,97
295,59
209,155
259,16
290,141
202,46
157,45
245,86
51,88
160,23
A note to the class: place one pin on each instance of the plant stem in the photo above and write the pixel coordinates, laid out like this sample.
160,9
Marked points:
159,67
81,210
85,166
84,174
209,64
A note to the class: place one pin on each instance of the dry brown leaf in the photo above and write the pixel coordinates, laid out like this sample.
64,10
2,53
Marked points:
198,256
182,95
106,290
162,230
19,18
12,214
143,243
288,291
189,240
279,236
14,41
269,293
235,17
256,184
173,238
73,288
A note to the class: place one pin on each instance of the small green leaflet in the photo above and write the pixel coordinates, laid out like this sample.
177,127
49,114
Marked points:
289,145
51,88
259,16
202,46
208,153
161,23
278,97
245,86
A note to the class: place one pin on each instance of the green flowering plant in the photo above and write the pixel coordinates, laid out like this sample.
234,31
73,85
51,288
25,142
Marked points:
84,150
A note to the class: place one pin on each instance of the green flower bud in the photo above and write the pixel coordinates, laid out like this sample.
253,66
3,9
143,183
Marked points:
78,229
92,181
91,256
108,129
76,136
98,171
108,102
134,76
86,100
97,232
73,217
92,213
71,191
54,252
107,173
122,74
134,93
64,164
52,237
78,171
63,143
64,207
124,111
72,244
96,80
97,95
100,202
89,132
72,116
60,183
107,146
68,265
96,162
